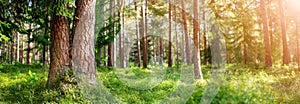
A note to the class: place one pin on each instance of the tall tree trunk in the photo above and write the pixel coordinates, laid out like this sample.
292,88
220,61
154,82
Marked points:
29,36
187,45
111,45
83,55
297,39
286,56
121,51
176,34
197,61
268,59
59,55
137,34
144,32
204,30
21,49
183,47
17,56
170,36
12,51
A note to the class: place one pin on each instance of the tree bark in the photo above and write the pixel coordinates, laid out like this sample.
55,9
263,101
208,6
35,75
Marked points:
21,49
111,45
137,35
59,55
268,59
144,32
121,51
83,55
187,46
197,61
286,56
170,36
29,35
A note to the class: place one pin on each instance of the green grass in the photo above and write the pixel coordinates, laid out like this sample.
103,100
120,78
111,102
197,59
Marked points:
26,84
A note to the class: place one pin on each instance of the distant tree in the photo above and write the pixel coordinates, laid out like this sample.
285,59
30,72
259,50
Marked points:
185,27
268,59
286,56
170,36
197,60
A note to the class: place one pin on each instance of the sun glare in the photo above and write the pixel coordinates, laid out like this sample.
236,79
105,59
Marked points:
294,5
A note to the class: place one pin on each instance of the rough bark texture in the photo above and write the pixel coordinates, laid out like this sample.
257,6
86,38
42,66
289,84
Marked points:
187,46
286,56
170,36
268,59
83,56
59,57
197,61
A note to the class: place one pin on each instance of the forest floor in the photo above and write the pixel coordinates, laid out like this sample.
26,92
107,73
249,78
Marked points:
26,84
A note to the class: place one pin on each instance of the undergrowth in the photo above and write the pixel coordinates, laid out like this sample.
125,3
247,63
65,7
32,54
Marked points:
26,84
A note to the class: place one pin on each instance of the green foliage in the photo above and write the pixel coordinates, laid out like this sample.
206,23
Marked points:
64,8
109,31
27,84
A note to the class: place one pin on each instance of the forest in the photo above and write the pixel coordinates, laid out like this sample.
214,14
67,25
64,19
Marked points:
149,51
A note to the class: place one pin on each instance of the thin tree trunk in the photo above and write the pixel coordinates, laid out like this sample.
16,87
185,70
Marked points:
137,35
17,47
176,34
121,51
12,51
144,32
111,45
268,59
170,36
197,61
21,49
29,35
286,56
297,39
204,30
187,46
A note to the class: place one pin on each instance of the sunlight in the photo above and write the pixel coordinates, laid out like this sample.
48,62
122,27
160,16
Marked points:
294,5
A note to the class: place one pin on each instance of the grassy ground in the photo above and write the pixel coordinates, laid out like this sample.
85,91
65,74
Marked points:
27,84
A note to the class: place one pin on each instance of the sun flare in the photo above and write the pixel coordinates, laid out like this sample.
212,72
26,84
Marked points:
294,5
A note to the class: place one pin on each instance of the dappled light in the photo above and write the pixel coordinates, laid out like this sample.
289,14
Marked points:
150,51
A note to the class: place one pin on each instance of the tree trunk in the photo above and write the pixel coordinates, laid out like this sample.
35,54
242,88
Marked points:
59,55
21,49
17,47
197,61
268,59
170,36
12,51
29,35
121,51
83,55
187,46
204,30
111,45
286,56
176,35
137,35
144,32
297,39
